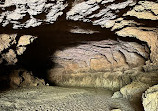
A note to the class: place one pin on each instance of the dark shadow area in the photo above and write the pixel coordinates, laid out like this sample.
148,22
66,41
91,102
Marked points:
143,22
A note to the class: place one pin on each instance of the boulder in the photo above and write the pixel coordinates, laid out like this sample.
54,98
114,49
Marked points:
12,46
134,90
23,78
150,99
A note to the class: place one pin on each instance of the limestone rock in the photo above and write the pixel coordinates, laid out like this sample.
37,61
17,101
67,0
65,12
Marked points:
26,13
92,63
6,41
105,55
149,35
23,78
8,50
10,57
134,90
150,99
23,42
145,10
124,26
150,77
86,11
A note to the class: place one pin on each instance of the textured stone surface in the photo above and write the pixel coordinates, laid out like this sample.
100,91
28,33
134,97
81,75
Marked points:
109,14
145,10
124,26
110,55
11,46
105,55
6,41
26,13
150,36
10,57
113,80
23,42
23,78
134,90
87,11
150,99
109,62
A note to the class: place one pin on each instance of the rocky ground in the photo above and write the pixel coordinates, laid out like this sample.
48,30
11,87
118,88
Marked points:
49,98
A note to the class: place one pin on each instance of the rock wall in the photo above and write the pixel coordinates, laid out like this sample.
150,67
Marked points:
105,55
111,44
25,13
12,46
127,39
133,23
133,45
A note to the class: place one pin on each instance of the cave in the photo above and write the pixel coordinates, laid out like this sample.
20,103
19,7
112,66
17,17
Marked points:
78,55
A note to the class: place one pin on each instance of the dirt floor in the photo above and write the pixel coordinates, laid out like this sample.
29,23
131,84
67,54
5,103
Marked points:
49,98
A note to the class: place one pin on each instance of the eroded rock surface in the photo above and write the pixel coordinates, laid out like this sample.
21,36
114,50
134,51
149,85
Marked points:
11,46
150,99
26,13
23,78
108,14
106,55
126,61
123,26
134,90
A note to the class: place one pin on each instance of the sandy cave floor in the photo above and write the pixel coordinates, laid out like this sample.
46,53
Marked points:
49,98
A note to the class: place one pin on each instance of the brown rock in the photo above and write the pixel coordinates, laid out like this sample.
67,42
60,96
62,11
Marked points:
150,36
23,78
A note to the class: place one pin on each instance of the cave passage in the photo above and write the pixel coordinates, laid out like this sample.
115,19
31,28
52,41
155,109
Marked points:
38,56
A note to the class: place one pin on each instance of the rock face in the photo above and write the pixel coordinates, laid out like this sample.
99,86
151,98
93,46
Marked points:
110,55
26,13
108,14
150,99
11,46
19,78
23,78
135,79
123,26
134,90
129,40
106,55
121,56
99,12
